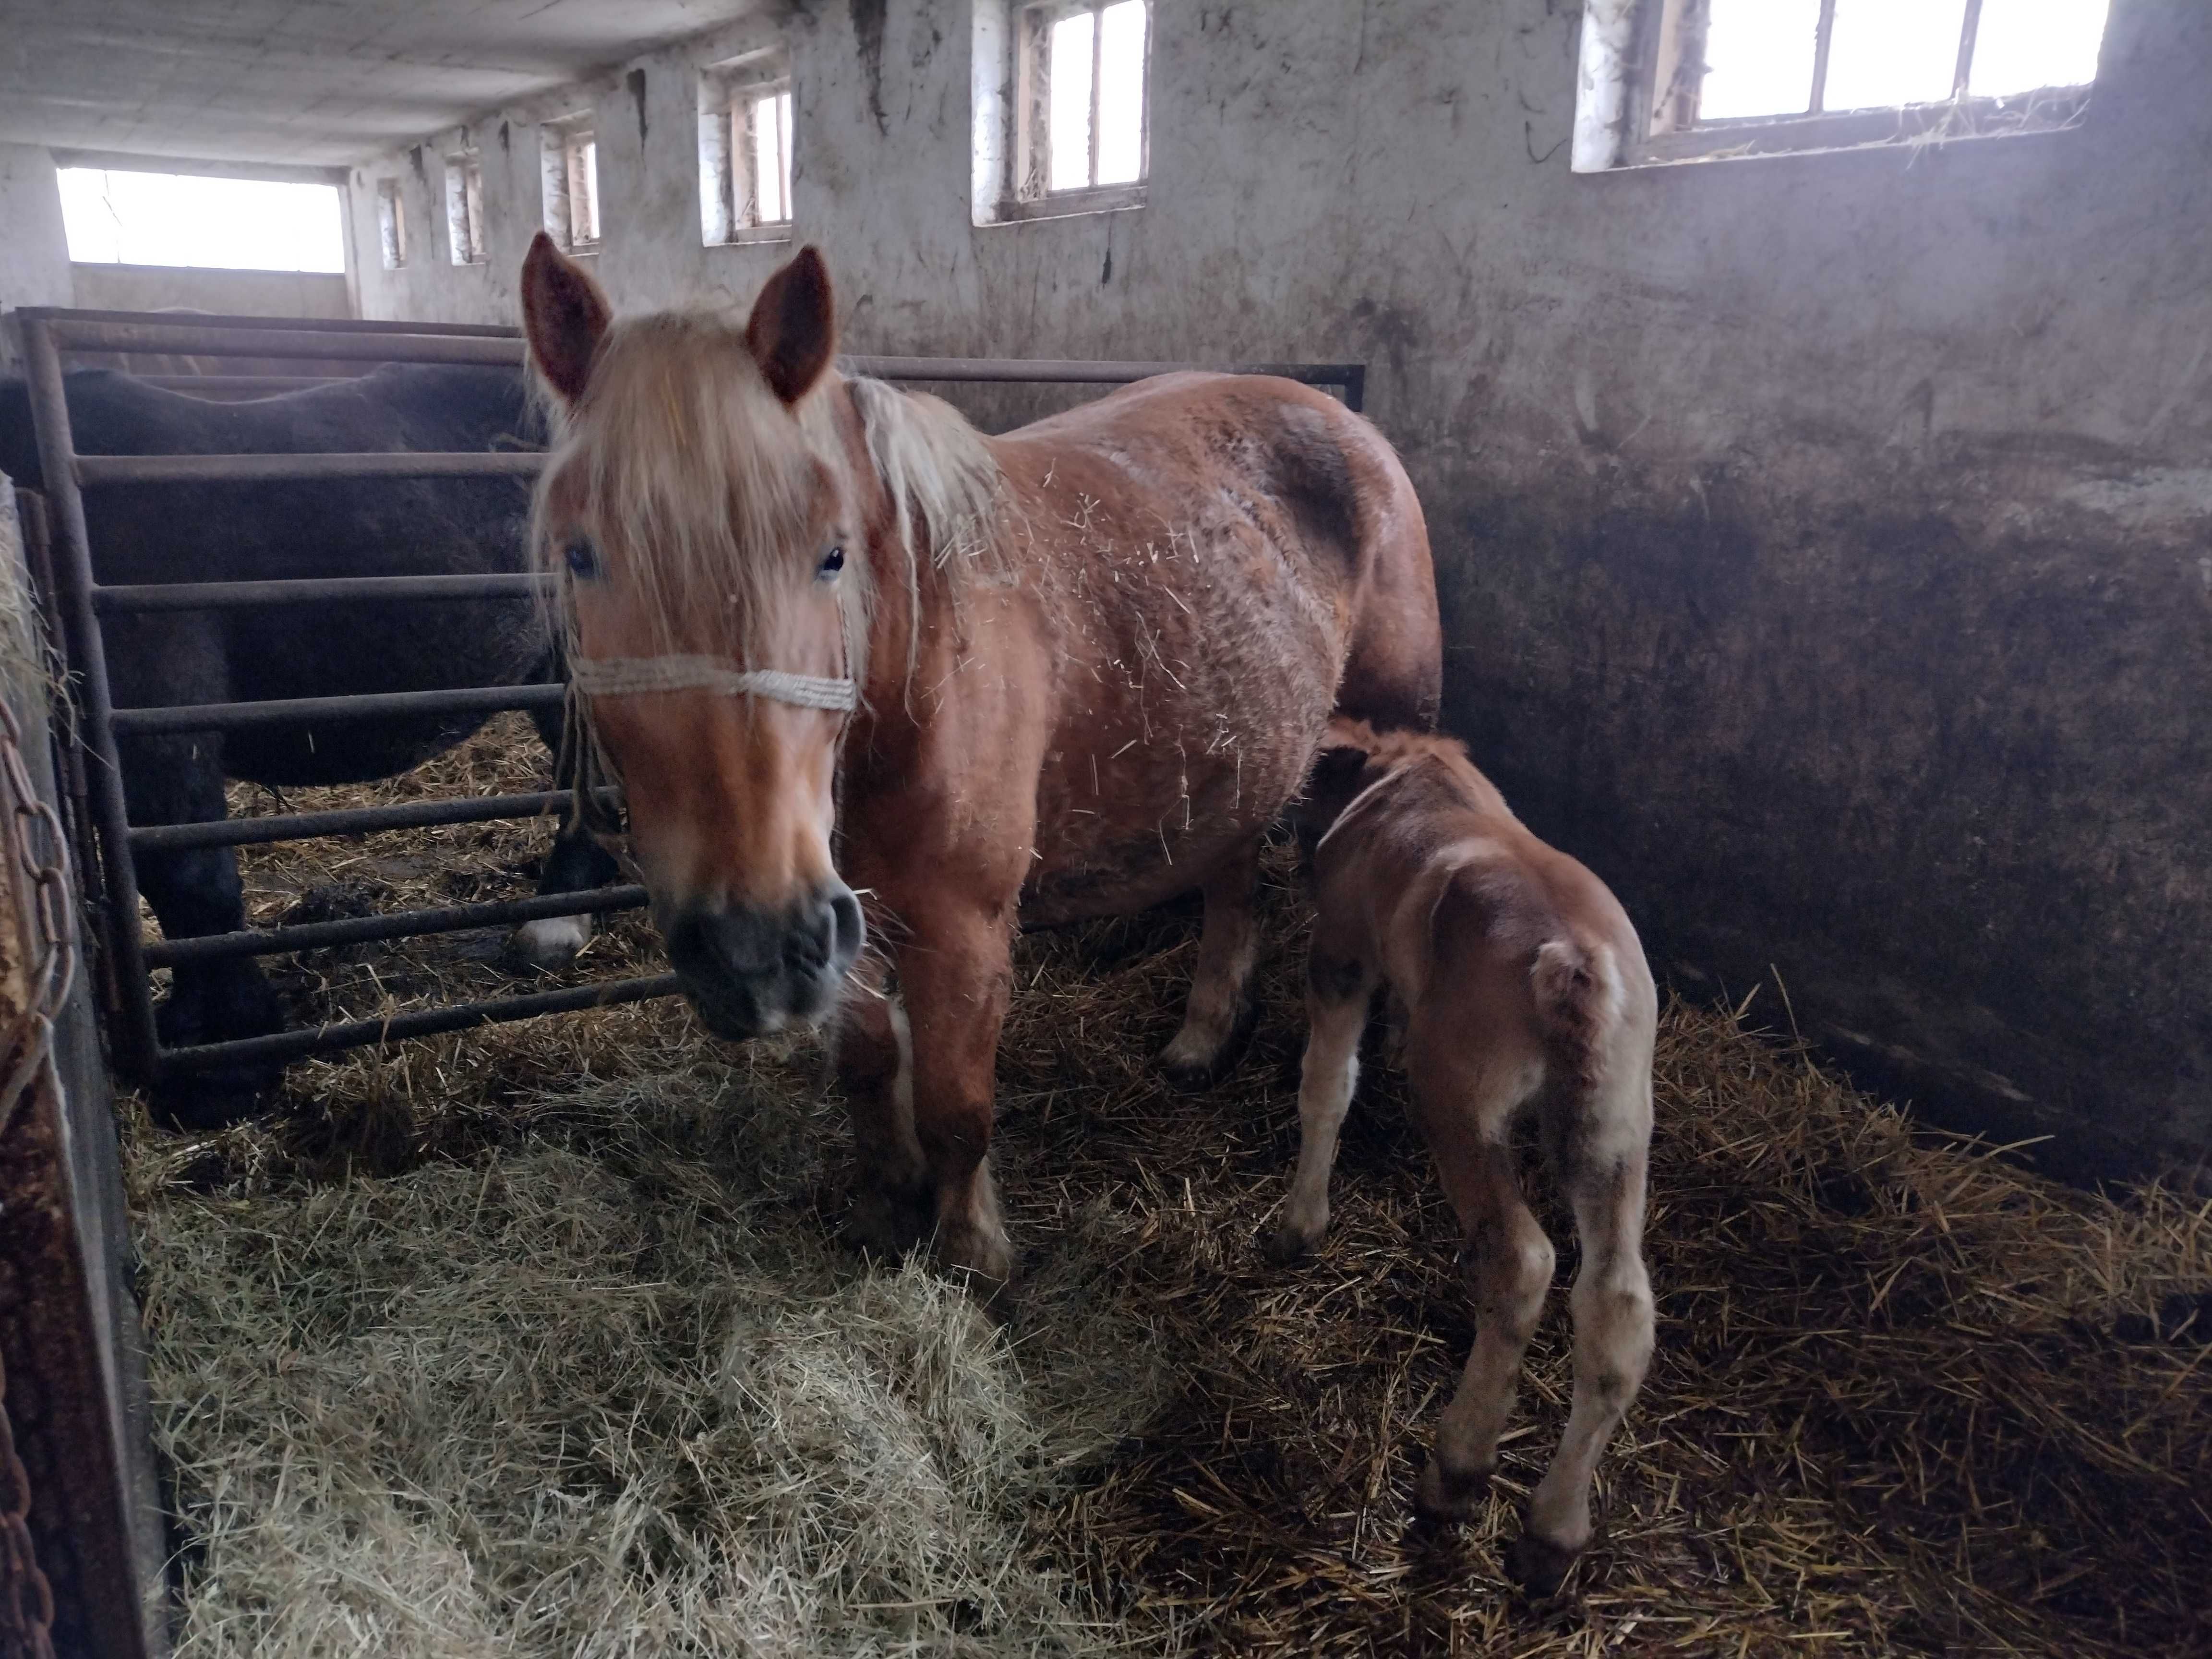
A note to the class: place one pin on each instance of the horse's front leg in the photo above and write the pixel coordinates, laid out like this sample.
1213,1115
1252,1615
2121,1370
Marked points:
872,1048
194,892
955,970
1220,1015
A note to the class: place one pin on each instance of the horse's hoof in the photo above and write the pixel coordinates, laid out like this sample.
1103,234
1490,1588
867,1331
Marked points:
550,944
1285,1246
1537,1566
887,1222
1192,1065
984,1260
1443,1497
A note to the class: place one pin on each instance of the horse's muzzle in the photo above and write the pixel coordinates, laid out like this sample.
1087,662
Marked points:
750,970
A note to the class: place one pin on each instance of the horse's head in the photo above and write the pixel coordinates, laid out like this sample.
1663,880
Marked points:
695,509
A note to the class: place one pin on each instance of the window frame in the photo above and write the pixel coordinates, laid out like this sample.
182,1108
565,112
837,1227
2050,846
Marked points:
392,224
562,160
1660,121
1026,194
730,92
467,239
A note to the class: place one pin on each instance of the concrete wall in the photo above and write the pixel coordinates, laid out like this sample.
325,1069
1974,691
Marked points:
224,292
1827,541
35,262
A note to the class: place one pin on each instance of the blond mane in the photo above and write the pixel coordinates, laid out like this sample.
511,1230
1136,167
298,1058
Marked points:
679,438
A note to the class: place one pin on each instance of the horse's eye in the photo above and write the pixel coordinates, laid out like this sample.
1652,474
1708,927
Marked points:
832,562
583,558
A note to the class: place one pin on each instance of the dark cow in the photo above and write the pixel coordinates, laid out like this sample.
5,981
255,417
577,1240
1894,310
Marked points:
268,531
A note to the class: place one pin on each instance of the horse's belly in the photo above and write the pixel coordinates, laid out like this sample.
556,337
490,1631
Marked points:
1117,833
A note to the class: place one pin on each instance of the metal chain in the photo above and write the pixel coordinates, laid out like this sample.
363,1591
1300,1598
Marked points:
27,823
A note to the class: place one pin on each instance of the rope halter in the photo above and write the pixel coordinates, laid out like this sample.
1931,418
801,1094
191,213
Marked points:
626,676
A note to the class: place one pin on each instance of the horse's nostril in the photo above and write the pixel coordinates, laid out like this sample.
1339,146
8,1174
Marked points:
849,931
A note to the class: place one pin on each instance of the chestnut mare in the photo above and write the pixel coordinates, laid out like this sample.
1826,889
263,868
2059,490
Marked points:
845,653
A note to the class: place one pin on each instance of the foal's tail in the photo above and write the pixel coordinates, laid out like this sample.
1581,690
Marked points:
1579,1003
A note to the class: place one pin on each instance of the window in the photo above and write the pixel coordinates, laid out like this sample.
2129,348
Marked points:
745,149
465,210
116,218
569,165
1675,80
1067,128
390,223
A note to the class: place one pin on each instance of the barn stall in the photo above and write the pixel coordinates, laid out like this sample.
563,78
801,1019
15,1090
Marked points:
538,1335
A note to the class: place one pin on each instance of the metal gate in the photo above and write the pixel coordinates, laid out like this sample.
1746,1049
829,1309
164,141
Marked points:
49,335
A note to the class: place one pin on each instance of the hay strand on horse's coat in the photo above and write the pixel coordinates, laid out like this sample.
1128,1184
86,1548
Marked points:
1889,1412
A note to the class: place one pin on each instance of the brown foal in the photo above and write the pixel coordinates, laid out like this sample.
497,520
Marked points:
1523,987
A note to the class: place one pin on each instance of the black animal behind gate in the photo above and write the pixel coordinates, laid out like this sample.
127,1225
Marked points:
161,656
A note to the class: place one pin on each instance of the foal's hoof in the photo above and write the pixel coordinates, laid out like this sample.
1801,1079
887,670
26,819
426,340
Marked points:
1539,1567
1285,1246
1443,1497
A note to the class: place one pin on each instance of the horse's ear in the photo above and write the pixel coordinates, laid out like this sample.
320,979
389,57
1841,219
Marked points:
793,330
564,316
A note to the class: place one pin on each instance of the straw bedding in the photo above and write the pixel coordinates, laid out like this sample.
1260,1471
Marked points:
538,1340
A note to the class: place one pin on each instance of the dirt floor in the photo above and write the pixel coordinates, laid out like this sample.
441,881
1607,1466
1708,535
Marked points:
539,1338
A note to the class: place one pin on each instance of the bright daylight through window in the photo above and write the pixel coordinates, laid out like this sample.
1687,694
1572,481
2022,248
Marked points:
766,139
1084,111
1782,57
114,218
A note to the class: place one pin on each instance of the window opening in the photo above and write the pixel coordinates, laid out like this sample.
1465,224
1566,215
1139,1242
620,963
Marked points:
465,212
569,160
115,216
745,149
1082,102
390,223
1714,77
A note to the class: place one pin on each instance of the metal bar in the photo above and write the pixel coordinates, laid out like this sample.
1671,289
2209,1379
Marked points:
397,924
1969,28
354,821
428,1022
241,386
315,324
1047,370
288,711
94,471
1823,33
199,340
139,1044
230,596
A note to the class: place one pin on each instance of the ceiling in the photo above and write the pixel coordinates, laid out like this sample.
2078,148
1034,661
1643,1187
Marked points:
302,82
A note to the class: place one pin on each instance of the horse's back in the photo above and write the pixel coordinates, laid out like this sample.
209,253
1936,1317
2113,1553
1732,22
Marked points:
1338,484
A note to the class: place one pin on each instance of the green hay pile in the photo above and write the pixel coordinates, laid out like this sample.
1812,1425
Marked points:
538,1340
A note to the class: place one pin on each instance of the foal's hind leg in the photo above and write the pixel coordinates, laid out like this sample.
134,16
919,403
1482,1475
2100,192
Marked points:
1466,1108
1220,1015
1602,1171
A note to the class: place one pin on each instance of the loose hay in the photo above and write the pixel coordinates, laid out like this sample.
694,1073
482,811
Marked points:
469,1353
